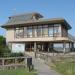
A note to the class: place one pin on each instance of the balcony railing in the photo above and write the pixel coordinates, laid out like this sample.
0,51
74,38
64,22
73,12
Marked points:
71,37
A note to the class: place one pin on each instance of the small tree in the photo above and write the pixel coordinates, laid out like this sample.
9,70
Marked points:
2,41
3,47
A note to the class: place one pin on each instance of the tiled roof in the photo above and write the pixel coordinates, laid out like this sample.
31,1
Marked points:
27,19
17,19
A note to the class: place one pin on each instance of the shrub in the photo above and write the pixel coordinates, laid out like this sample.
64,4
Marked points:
4,51
16,54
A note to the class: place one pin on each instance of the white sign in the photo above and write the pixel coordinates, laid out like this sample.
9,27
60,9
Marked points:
18,47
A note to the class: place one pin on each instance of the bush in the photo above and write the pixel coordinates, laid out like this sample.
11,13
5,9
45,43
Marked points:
2,40
4,51
16,54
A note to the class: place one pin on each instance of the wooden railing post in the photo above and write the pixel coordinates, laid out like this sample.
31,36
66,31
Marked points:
25,62
3,64
15,62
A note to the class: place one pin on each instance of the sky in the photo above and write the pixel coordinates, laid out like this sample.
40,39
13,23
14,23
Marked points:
48,8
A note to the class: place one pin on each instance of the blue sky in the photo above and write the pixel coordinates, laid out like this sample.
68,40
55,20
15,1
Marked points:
48,8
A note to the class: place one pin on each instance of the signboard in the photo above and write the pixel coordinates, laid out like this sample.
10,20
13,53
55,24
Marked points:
18,48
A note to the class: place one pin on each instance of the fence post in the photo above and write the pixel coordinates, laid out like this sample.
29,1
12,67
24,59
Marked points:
15,62
25,62
3,63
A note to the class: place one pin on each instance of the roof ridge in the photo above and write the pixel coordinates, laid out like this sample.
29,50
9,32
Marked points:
32,13
51,18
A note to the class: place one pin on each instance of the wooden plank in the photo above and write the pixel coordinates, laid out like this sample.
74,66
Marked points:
13,57
14,64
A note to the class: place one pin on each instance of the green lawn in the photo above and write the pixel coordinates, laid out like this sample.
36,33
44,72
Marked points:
65,67
17,72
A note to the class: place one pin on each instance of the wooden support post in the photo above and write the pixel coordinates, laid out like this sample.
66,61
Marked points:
25,62
64,47
3,64
25,49
35,49
48,47
72,46
42,47
30,47
69,46
15,62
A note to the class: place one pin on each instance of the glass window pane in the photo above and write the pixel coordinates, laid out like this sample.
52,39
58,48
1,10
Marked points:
58,45
45,30
34,31
39,31
25,31
50,31
45,26
56,31
17,33
21,32
29,31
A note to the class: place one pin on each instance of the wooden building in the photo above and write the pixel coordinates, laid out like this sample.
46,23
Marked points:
32,32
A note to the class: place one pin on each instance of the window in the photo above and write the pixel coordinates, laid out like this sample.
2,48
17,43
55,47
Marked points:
64,31
39,31
25,31
34,31
58,45
50,31
45,30
19,32
29,31
56,31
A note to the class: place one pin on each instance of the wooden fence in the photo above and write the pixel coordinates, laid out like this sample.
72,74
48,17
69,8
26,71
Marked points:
70,57
13,62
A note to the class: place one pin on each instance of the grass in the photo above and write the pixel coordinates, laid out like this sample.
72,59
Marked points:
65,66
17,72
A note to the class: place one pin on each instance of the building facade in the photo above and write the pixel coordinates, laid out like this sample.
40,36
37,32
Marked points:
31,32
